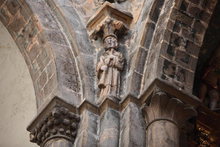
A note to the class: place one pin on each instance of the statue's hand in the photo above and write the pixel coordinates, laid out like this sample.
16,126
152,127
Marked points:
104,67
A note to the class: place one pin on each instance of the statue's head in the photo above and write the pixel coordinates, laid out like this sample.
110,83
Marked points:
110,41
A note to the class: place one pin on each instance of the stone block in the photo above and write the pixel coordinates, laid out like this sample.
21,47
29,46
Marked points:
132,127
140,60
199,27
86,139
13,6
188,33
148,35
51,69
208,4
182,57
167,50
109,129
135,83
34,52
2,2
184,5
181,75
192,48
42,79
205,16
169,68
176,40
177,26
155,10
195,1
50,86
17,24
25,11
183,18
56,37
5,16
89,122
194,11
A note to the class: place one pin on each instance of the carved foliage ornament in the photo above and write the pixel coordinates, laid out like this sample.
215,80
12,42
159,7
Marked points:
60,122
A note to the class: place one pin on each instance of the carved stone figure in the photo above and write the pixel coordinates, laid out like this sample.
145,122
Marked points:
211,83
109,67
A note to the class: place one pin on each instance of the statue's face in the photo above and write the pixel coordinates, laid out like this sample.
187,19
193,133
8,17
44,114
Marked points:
110,42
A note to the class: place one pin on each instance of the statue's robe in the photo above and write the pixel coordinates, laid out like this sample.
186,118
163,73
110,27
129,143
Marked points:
108,68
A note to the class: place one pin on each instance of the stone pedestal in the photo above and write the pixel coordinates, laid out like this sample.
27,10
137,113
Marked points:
165,116
55,125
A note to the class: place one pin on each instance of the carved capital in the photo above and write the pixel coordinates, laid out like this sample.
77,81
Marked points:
163,107
57,120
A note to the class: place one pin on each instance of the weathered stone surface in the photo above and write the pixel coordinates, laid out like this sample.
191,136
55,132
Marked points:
87,130
109,129
132,127
162,133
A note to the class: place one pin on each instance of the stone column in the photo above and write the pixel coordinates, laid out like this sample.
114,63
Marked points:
165,116
55,126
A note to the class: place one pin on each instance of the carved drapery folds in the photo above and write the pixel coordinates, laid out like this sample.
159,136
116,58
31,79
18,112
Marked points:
108,24
57,120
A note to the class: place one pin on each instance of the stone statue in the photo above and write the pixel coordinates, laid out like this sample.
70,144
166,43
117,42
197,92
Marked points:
211,83
109,67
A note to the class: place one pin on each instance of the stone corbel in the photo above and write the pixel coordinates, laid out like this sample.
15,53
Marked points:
58,120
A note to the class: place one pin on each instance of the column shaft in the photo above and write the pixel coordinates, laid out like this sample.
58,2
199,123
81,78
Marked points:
162,133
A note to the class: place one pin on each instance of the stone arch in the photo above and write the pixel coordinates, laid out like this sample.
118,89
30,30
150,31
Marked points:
83,51
26,31
46,49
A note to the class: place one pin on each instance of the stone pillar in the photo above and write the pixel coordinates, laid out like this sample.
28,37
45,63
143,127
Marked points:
165,116
55,126
109,128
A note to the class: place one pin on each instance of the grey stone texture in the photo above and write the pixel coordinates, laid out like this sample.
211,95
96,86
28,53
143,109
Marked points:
162,43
